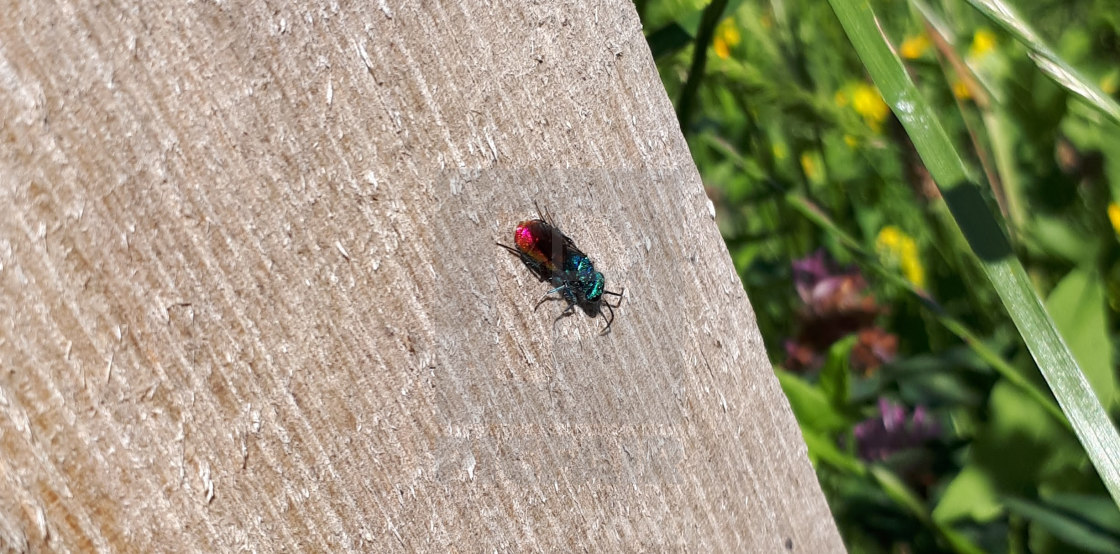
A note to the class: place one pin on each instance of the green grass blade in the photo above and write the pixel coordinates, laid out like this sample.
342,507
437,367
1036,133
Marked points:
984,234
1045,58
687,99
902,495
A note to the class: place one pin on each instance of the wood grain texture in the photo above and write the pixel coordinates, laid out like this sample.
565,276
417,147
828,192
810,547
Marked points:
251,297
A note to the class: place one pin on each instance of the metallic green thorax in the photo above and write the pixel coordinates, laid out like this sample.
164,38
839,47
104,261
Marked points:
582,282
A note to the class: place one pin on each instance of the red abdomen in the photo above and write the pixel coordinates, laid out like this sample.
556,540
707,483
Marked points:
541,242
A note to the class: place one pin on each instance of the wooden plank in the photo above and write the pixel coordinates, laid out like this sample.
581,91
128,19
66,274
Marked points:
251,297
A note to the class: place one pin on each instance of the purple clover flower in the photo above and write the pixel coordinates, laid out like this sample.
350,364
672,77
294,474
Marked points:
893,430
835,304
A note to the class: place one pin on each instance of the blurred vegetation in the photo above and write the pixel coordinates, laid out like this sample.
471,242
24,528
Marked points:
926,417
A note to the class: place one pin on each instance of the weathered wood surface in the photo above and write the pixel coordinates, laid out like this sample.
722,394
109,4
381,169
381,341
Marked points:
251,298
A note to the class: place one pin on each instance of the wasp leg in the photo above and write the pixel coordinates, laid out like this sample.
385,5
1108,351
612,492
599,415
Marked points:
546,298
571,309
618,294
610,319
530,263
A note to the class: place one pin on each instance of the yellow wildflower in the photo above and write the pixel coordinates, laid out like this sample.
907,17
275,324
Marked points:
867,103
851,141
960,90
809,166
983,41
913,47
727,37
1114,216
780,151
897,249
1110,83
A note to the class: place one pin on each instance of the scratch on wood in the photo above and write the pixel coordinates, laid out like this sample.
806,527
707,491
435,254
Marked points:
384,7
493,149
470,465
365,57
207,481
41,521
393,528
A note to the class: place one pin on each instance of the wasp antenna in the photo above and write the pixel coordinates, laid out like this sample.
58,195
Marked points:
547,217
510,248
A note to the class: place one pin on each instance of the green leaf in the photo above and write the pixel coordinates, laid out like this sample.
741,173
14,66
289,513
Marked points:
1019,449
898,491
810,405
1056,238
668,40
1064,525
970,495
1095,509
823,449
1019,430
941,379
837,371
1078,307
903,496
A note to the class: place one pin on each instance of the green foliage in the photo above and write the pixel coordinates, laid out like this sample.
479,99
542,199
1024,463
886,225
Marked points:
914,367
